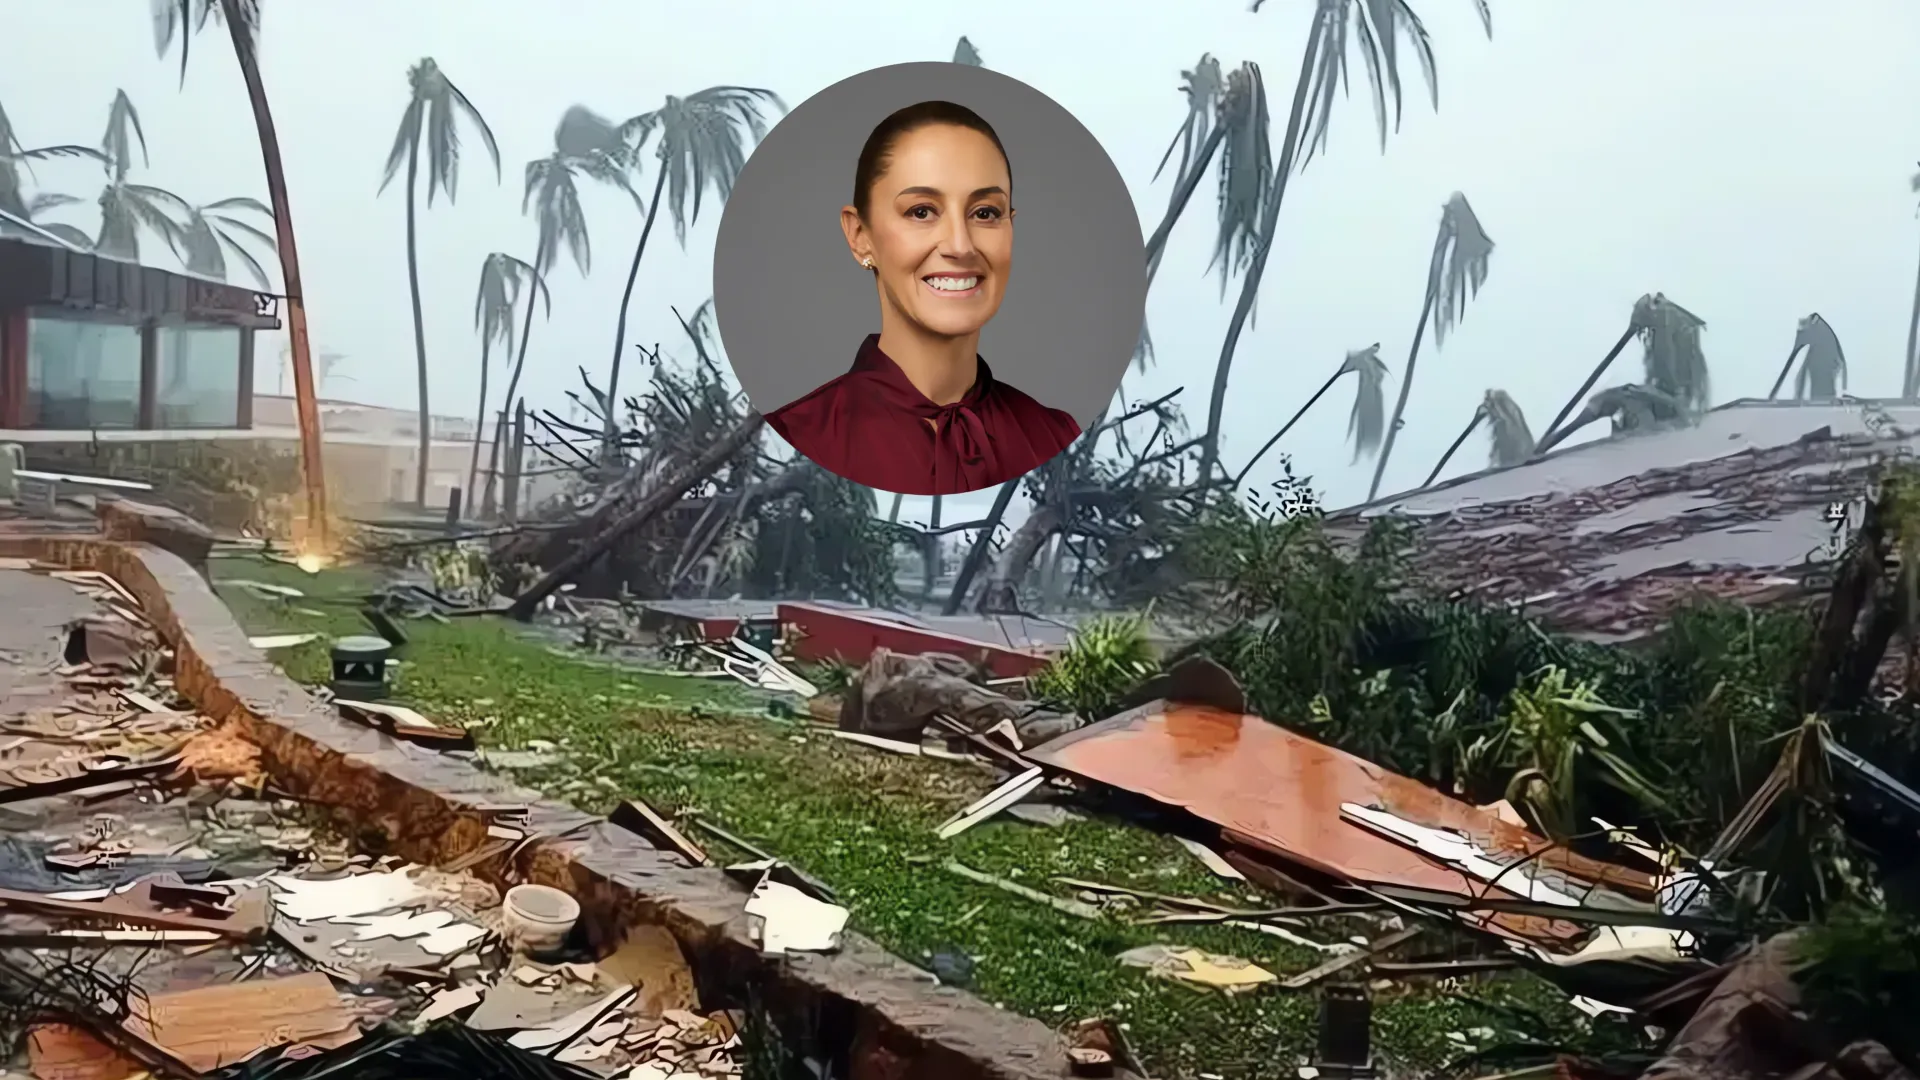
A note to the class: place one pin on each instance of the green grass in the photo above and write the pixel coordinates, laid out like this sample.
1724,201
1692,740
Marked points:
863,820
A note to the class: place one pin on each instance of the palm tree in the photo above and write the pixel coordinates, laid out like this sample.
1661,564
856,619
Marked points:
1366,422
1455,272
703,141
14,201
965,53
1375,29
503,279
434,110
1823,375
35,207
126,208
1910,386
1673,360
181,19
213,231
1510,438
1631,406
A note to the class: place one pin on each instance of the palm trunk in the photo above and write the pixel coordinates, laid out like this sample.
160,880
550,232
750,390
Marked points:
1581,394
893,515
1269,222
1288,426
1911,388
519,362
982,544
1561,435
1479,415
1782,379
419,325
620,325
1413,355
312,464
652,506
1182,194
1002,593
480,419
930,552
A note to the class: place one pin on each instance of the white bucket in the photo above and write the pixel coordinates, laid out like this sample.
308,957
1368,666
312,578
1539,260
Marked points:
538,918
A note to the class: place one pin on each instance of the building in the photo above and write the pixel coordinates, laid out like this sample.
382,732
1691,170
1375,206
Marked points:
90,343
1605,539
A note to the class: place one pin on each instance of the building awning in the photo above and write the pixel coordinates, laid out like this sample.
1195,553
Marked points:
36,275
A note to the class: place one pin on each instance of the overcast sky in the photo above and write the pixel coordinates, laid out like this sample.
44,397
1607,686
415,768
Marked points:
1747,157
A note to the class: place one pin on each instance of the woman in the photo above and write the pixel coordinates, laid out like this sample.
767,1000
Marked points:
920,413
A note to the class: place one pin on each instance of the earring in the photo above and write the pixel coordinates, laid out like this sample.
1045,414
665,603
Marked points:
867,262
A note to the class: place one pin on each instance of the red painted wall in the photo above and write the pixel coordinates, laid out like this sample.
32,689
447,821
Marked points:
851,637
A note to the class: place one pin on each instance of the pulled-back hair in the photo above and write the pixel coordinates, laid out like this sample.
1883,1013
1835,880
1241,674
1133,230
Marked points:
878,151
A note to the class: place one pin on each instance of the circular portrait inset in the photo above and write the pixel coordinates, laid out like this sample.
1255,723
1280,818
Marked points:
864,283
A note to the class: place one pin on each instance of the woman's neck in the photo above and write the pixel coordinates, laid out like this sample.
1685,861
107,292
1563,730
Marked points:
940,367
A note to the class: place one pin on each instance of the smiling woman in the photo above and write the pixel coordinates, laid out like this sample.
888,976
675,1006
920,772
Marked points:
931,219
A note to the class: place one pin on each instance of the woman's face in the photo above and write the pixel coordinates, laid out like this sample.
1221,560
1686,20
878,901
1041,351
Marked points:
939,229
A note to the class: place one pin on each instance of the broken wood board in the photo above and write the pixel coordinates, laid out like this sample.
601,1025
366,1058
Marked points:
269,642
68,1052
993,802
219,1025
404,723
783,919
1077,908
1211,859
1341,963
642,820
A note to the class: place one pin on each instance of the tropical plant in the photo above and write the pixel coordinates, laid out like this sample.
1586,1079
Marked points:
965,53
1823,374
1249,226
1511,440
32,216
503,279
1552,727
702,141
435,107
1674,363
1365,421
180,20
1455,271
14,157
127,208
1631,406
1106,657
214,231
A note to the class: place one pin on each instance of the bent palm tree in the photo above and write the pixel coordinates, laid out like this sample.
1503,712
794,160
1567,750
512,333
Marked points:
181,19
1632,407
1910,386
503,279
1510,438
434,110
1364,422
14,156
1823,374
1375,28
31,216
213,231
1455,272
703,141
1674,363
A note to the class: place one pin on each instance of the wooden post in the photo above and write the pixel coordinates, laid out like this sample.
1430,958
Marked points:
516,455
147,412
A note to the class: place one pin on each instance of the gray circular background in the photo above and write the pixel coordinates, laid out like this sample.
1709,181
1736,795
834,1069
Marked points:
792,305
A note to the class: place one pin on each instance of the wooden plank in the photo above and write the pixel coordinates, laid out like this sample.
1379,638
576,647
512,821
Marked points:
637,817
218,1025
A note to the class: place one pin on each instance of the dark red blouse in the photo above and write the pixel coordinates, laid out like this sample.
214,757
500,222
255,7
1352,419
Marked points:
870,426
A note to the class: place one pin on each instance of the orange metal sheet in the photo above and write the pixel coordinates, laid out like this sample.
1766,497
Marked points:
1281,792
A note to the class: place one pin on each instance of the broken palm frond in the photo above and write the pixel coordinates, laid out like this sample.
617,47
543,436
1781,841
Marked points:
992,803
1076,908
1349,959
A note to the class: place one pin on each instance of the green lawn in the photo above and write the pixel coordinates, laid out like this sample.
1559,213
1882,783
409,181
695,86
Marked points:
863,821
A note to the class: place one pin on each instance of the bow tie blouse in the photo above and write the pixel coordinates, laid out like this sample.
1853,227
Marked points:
871,426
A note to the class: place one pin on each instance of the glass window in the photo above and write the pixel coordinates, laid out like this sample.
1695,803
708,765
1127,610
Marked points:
199,377
83,375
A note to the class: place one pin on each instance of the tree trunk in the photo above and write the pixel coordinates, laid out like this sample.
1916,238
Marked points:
1182,193
480,420
983,543
1413,354
651,506
1782,379
930,553
620,325
1002,594
312,465
893,515
1561,435
520,357
1479,415
1269,227
1580,395
1911,385
419,325
1288,426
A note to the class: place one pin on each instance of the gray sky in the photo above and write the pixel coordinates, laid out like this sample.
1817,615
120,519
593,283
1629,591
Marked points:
1610,150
